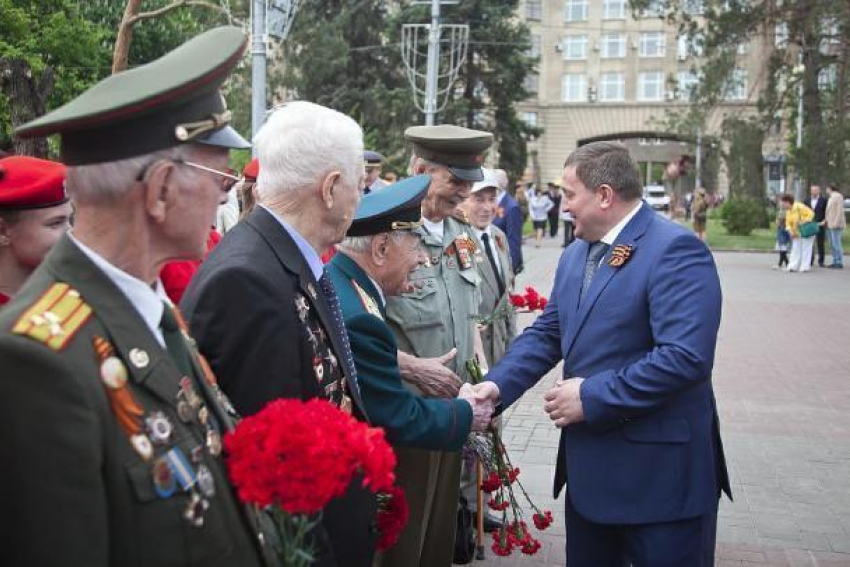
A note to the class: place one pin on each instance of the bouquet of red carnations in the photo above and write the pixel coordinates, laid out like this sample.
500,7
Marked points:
501,482
293,457
527,302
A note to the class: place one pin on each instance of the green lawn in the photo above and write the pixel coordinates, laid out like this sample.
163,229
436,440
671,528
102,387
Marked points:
719,239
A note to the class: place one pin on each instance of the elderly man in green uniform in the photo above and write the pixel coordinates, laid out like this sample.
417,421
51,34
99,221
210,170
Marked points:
114,423
438,314
374,262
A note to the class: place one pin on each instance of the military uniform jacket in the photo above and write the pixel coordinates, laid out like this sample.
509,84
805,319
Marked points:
409,420
441,311
73,490
497,336
260,318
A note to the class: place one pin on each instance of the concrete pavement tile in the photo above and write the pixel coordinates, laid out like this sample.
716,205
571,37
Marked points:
840,543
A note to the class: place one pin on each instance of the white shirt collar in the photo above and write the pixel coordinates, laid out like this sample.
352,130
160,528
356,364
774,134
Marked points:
612,235
146,299
478,232
435,228
314,261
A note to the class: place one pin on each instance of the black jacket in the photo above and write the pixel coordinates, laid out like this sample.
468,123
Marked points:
820,209
243,309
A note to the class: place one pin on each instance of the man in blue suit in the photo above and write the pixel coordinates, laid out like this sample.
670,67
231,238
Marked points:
634,314
509,220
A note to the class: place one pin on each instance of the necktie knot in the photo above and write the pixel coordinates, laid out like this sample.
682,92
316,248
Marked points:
594,254
168,322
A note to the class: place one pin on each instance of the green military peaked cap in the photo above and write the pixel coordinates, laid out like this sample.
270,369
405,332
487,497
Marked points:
395,207
170,101
460,149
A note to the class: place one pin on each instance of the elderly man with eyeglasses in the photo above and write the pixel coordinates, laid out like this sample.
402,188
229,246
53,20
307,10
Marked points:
113,428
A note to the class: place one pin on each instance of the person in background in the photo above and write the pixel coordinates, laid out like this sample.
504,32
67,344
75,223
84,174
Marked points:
569,225
783,239
509,219
554,192
699,210
817,204
801,248
374,161
521,194
835,224
539,206
390,178
34,214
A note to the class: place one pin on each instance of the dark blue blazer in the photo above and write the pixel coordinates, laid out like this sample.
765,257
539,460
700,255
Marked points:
409,420
510,221
643,337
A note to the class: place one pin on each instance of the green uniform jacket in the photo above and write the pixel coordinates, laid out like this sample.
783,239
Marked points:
73,491
409,420
440,313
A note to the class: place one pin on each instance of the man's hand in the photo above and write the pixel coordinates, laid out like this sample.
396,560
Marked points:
482,409
430,375
487,391
563,402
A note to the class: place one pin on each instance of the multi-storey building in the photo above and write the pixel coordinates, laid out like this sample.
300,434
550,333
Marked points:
605,73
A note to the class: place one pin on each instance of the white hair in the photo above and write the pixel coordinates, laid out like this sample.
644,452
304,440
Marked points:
104,181
362,244
301,143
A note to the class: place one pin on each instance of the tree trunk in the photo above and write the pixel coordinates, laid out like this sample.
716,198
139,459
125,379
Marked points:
26,96
121,53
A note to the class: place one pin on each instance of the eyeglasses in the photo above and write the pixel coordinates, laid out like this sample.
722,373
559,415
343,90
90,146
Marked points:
228,179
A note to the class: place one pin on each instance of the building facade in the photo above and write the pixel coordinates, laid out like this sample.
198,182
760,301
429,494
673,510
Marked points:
606,73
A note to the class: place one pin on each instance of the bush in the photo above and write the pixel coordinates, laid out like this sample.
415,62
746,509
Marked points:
741,216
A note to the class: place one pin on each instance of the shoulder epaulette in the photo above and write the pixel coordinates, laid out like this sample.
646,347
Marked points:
55,318
368,301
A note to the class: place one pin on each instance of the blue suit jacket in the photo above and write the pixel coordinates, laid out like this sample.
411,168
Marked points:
409,420
511,224
643,337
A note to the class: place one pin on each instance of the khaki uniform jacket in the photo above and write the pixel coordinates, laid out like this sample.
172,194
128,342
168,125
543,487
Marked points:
497,336
73,491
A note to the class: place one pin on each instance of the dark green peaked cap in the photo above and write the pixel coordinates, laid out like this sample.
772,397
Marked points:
164,103
458,148
395,207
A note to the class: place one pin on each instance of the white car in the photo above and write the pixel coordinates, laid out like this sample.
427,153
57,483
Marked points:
657,198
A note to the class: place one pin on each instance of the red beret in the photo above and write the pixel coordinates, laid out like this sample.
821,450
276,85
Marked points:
31,183
252,170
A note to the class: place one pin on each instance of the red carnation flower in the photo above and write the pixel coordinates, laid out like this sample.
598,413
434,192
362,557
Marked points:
491,483
543,303
392,517
516,300
502,544
543,521
530,546
498,503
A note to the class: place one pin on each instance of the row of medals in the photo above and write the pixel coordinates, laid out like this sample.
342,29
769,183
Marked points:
172,468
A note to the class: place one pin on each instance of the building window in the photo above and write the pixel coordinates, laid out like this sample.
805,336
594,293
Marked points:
736,88
613,45
612,87
614,10
533,9
534,48
575,47
780,34
530,118
575,11
653,44
690,45
530,84
686,82
828,78
651,86
654,9
575,88
693,7
743,48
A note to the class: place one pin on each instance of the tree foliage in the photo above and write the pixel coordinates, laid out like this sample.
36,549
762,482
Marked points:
815,33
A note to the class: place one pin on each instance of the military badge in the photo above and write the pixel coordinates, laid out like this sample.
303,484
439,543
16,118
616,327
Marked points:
368,301
465,248
302,307
620,255
500,212
55,318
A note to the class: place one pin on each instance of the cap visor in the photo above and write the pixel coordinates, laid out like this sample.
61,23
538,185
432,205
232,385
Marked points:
225,137
467,173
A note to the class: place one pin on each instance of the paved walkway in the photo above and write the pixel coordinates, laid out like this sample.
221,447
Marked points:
782,380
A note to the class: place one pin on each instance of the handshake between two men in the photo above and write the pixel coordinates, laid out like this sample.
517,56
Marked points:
562,401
